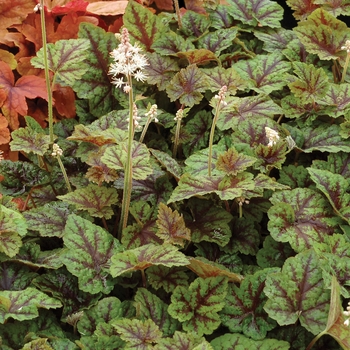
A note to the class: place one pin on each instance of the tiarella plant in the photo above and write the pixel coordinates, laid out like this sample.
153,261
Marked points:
174,177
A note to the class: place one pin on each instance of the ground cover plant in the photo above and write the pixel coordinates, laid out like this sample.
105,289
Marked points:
174,178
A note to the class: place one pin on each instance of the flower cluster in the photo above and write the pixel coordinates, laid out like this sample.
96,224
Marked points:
347,314
179,114
128,61
56,150
346,46
221,96
272,135
152,113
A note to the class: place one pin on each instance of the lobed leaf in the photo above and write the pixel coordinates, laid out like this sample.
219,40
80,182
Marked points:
93,198
298,293
15,276
255,12
65,59
170,164
138,334
197,307
265,73
88,255
115,158
194,24
12,227
301,217
145,256
150,307
23,304
183,341
243,311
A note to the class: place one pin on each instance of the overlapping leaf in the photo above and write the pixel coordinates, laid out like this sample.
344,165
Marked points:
231,341
12,227
187,86
184,341
301,217
95,84
170,164
265,73
323,34
334,187
312,83
93,198
208,222
337,163
225,187
150,307
88,255
63,286
294,176
65,59
15,276
194,24
115,158
243,311
23,305
298,293
275,39
146,256
256,13
197,307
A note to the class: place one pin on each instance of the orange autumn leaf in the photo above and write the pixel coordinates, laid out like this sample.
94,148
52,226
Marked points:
109,8
64,101
14,11
4,131
28,86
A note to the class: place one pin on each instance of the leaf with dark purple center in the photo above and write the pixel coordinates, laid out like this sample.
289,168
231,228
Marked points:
298,293
15,276
243,311
194,24
275,39
88,255
197,307
301,217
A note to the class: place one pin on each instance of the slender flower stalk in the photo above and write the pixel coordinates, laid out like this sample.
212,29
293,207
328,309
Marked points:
220,104
57,152
151,114
46,68
347,48
178,119
128,63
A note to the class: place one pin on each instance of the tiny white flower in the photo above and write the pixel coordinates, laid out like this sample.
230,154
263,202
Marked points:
346,46
272,136
56,150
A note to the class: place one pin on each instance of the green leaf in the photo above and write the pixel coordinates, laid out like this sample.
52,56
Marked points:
256,13
146,256
150,307
273,253
323,34
243,311
187,86
334,187
15,276
197,307
312,83
264,73
107,309
65,59
115,158
171,226
194,24
294,176
170,164
232,162
63,286
338,163
298,293
198,56
270,157
12,227
208,222
20,177
40,343
138,334
89,251
238,341
27,140
93,198
275,39
260,106
184,341
301,217
95,85
225,187
323,138
142,24
167,277
49,220
23,304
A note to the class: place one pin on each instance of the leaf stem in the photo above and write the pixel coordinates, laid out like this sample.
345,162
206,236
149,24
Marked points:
64,173
128,166
314,340
46,70
177,10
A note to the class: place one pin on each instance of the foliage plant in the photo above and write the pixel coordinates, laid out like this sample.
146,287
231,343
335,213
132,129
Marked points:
174,178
